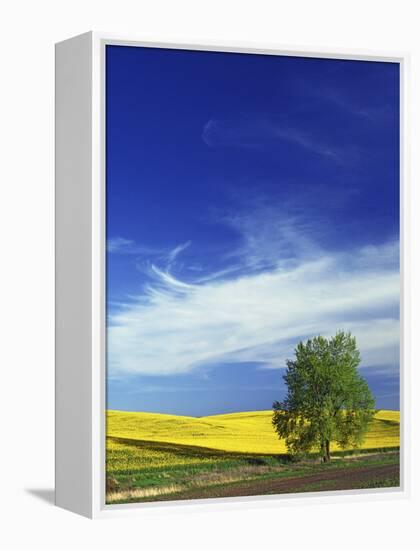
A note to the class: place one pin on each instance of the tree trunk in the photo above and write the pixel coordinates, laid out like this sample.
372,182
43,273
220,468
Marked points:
324,450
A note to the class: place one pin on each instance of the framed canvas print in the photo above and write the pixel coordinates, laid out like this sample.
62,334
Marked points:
229,259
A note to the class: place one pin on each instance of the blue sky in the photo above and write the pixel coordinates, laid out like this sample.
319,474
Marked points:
252,202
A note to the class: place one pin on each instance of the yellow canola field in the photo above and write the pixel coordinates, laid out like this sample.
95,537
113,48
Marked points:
247,432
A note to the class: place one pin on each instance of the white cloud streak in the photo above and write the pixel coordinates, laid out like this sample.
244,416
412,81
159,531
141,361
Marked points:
175,252
258,315
252,133
121,245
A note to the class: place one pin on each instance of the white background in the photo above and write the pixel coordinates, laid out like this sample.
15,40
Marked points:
28,30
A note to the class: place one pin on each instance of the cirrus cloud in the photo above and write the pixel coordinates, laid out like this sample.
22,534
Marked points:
280,287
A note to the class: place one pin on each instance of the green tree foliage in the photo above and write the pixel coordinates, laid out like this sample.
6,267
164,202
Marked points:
327,399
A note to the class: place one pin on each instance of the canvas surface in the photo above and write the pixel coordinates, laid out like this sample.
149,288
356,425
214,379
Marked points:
252,208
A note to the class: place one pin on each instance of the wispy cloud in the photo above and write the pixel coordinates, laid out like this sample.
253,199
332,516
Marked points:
257,132
164,255
272,234
121,245
279,287
169,280
160,267
342,100
175,252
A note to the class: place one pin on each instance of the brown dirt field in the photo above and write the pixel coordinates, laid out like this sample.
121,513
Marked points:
344,479
330,480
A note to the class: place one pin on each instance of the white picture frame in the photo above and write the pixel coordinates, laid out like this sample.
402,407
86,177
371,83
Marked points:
80,274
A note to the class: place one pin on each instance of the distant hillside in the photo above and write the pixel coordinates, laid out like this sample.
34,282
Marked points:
248,432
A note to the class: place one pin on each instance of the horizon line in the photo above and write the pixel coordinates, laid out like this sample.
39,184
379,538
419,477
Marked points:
209,415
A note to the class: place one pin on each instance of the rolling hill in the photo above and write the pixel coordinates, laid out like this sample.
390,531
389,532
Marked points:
247,432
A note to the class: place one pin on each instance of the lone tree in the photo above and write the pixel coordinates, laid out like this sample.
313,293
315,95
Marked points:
327,399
